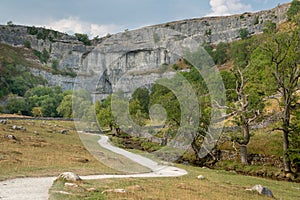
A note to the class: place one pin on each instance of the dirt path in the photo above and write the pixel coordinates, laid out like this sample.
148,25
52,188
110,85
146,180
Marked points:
37,188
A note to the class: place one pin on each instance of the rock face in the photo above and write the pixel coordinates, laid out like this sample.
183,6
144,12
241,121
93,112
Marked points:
137,54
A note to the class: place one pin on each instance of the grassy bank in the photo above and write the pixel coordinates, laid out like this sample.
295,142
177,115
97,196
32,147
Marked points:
40,149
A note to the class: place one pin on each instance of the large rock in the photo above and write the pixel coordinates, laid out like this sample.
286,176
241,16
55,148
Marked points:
262,190
69,177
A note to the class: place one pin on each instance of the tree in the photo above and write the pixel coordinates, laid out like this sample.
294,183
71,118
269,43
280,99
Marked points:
17,105
294,9
10,23
244,33
104,114
220,55
270,27
283,49
65,107
244,113
143,96
83,38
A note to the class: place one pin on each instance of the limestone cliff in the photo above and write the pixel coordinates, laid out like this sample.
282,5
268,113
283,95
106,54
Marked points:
130,52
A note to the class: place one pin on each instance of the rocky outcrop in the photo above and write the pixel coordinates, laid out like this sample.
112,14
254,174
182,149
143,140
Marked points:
131,57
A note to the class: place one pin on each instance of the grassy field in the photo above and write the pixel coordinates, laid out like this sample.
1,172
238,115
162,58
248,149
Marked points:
41,150
217,185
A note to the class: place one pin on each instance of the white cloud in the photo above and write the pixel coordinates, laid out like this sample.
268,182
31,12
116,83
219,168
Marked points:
228,7
73,25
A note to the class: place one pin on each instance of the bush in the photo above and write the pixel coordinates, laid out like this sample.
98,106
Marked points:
43,56
83,38
220,55
244,33
256,20
32,30
10,23
270,27
55,64
294,9
27,44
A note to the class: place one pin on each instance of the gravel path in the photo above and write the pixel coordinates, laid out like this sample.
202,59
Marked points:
37,188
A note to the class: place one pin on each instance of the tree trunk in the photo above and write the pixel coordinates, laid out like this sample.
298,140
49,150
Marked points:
286,125
286,160
243,144
244,154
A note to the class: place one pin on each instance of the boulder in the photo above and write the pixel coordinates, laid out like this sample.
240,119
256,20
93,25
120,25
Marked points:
64,132
11,137
15,127
262,190
69,176
3,121
201,177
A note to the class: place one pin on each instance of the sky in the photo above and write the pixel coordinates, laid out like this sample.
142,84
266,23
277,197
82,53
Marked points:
100,17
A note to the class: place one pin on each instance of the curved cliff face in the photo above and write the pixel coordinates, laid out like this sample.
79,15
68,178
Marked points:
140,50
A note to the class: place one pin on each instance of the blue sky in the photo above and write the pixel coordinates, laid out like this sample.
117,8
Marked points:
99,17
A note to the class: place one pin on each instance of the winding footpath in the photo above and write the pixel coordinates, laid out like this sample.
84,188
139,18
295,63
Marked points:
37,188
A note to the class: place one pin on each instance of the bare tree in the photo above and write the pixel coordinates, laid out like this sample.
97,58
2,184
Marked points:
243,114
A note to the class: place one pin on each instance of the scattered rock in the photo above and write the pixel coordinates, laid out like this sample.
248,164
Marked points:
69,176
201,177
115,191
262,190
71,185
15,127
3,121
64,132
74,187
11,137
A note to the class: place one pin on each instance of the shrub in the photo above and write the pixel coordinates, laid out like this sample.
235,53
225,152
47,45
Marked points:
32,30
256,20
244,33
83,38
55,64
27,44
294,9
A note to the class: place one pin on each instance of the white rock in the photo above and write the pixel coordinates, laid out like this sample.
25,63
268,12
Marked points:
262,190
201,177
69,176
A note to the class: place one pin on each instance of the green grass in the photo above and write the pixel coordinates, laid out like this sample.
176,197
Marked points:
42,150
217,185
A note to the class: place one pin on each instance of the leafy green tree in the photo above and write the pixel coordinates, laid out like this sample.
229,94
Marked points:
17,105
282,49
37,112
294,9
82,105
270,27
19,86
136,112
143,96
244,33
104,114
83,38
46,98
65,107
220,55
